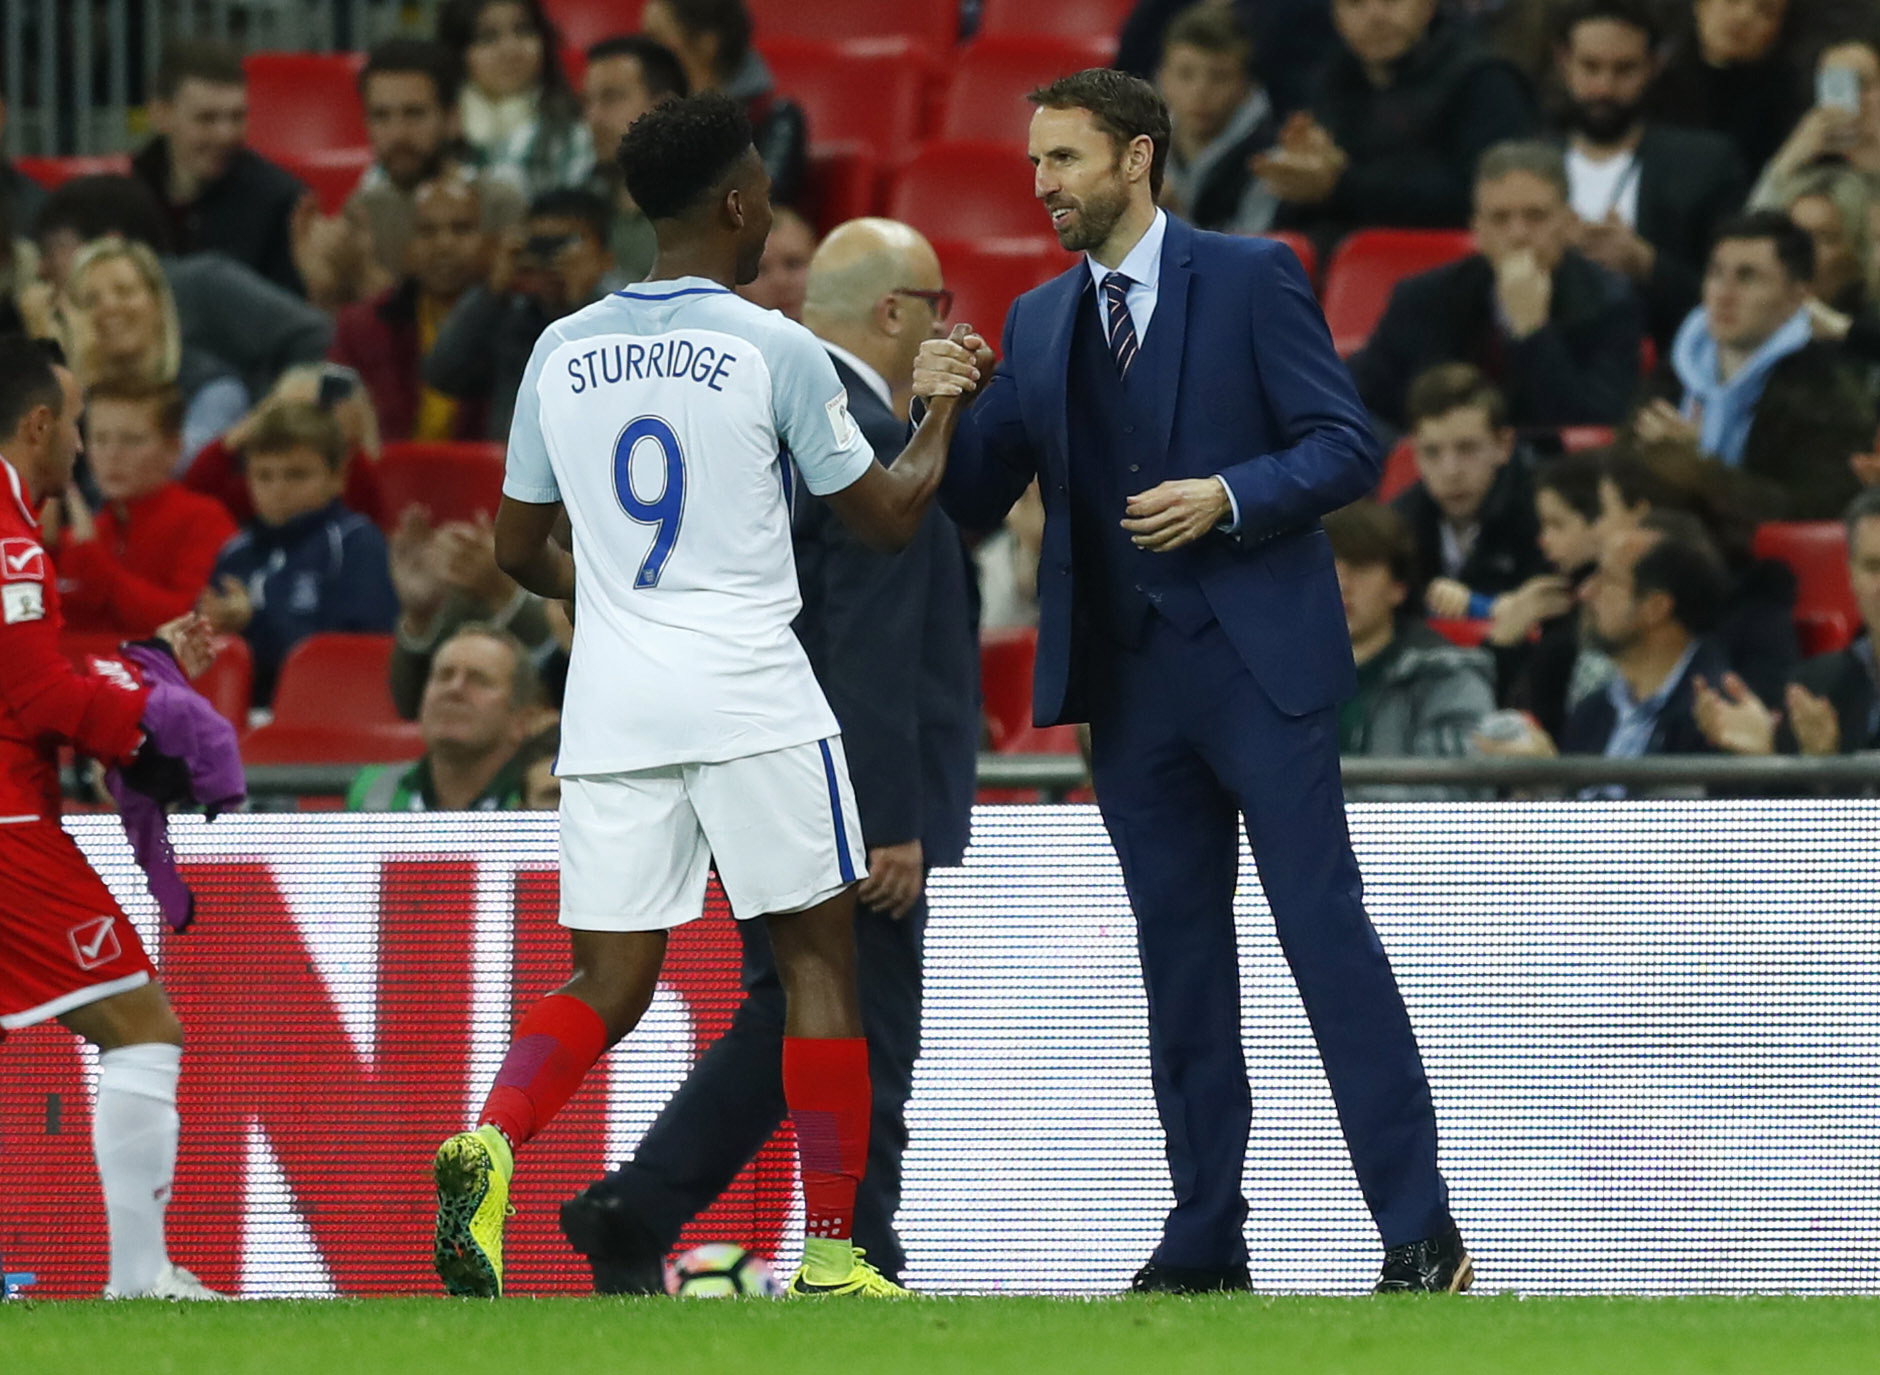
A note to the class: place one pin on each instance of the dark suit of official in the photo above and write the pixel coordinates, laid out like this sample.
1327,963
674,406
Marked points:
1210,677
892,641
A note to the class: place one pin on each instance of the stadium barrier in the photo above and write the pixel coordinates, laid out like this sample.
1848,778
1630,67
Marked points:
1652,1031
1054,775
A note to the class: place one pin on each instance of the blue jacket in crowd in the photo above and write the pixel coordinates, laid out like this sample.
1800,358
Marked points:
325,571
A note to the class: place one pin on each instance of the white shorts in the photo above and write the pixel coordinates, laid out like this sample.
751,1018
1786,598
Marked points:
780,827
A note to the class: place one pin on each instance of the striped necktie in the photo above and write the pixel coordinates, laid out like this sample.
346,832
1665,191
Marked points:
1123,344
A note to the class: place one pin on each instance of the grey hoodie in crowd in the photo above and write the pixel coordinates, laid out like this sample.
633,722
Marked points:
1433,696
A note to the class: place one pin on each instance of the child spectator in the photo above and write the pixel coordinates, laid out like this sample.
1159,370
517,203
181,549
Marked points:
217,471
1541,665
144,557
1419,696
1472,512
303,564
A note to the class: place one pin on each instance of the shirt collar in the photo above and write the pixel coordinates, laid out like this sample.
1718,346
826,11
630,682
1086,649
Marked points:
1144,263
1621,691
875,382
19,491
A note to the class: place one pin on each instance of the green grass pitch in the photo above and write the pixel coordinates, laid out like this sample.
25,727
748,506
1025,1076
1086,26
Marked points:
1142,1336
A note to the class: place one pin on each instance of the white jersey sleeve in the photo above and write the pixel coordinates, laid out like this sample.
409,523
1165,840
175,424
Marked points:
811,411
527,474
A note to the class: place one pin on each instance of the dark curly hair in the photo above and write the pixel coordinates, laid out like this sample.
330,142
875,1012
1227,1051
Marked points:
676,153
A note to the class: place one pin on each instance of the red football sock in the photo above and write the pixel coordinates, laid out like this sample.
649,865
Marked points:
826,1085
558,1042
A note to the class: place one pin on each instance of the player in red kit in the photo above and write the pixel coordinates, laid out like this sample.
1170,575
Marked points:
66,950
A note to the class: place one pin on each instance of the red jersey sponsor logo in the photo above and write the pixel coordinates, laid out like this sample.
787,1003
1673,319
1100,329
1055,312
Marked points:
95,942
22,560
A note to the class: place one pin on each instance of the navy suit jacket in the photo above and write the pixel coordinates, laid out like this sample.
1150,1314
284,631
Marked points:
1252,391
892,640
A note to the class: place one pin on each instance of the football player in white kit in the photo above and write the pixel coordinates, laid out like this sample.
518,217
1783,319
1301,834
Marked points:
664,421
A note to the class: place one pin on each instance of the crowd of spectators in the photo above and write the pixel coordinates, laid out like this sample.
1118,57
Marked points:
1674,238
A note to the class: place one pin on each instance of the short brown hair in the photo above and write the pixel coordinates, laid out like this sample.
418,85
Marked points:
164,399
297,425
1125,107
1453,387
208,60
1531,155
1365,534
1209,28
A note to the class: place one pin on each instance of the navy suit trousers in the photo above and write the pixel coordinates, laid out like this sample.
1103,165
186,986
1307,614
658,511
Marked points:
1186,745
732,1101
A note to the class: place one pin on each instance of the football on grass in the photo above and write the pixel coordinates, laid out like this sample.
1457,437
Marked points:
722,1271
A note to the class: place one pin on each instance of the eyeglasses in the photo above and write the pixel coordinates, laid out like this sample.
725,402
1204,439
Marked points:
941,301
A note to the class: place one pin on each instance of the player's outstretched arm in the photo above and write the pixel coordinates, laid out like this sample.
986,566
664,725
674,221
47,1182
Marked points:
886,505
526,553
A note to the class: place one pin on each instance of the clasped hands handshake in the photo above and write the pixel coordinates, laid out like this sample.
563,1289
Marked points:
953,370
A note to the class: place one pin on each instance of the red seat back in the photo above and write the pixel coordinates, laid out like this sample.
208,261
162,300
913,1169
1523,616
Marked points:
987,275
1400,471
870,91
288,744
1058,18
304,102
337,681
453,481
1816,550
1369,264
1574,438
986,97
332,175
844,179
1303,250
1005,663
52,173
968,191
936,24
1464,634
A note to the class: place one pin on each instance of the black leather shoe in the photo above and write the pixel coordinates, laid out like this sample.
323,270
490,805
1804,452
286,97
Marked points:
624,1256
1154,1278
1435,1265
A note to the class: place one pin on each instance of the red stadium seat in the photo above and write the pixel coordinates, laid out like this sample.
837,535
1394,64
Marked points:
1465,634
583,23
332,175
968,191
455,481
1400,471
304,102
1303,250
986,97
1005,663
987,275
1822,632
867,90
1574,438
338,681
1057,18
1367,265
937,24
275,743
52,173
844,179
1042,740
1816,550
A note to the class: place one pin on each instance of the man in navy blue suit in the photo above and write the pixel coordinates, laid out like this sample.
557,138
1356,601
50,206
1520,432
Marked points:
1178,399
892,640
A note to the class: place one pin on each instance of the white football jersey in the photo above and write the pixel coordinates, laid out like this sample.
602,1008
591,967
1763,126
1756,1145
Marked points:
665,419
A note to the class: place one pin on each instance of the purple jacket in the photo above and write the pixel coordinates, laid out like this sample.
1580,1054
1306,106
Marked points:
190,756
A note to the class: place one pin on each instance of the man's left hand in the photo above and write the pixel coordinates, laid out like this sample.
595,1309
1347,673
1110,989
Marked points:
1615,245
1176,513
896,875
